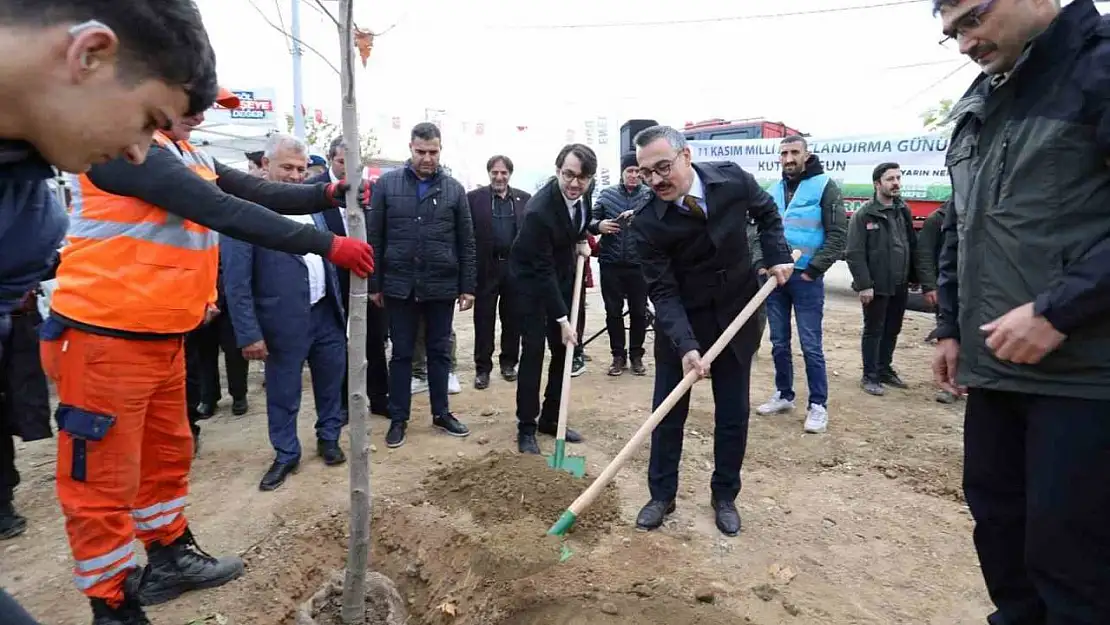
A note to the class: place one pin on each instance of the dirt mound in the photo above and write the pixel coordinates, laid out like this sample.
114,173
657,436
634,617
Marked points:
505,487
452,571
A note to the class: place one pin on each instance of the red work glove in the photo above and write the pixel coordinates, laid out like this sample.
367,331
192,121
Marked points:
337,191
352,254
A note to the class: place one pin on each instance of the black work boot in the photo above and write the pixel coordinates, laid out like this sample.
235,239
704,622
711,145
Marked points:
618,366
12,524
638,367
130,612
182,566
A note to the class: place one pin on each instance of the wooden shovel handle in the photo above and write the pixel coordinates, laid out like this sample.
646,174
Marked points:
586,498
568,360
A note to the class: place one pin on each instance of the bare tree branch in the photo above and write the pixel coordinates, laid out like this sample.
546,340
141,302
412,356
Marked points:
326,12
298,41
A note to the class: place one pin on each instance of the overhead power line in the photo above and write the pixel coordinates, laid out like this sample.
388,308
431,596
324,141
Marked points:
299,41
710,20
934,84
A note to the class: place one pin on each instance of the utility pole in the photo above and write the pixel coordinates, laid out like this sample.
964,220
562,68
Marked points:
298,96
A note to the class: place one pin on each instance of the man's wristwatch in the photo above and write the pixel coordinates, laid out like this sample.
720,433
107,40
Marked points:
562,320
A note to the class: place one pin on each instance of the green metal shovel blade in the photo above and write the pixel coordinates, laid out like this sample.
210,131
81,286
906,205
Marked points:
575,465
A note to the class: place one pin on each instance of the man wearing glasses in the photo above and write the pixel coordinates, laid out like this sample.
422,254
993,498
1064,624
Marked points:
693,246
1024,302
542,267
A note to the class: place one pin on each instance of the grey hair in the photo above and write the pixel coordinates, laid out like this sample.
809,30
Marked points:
278,141
654,133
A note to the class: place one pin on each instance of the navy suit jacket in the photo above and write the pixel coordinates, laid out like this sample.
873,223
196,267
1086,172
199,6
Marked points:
267,293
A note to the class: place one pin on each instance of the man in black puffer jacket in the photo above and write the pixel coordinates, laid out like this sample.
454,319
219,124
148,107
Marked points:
621,278
420,225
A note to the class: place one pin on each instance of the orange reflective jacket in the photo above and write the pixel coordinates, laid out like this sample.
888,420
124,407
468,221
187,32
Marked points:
130,265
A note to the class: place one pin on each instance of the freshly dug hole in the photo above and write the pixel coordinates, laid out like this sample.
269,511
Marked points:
506,487
384,605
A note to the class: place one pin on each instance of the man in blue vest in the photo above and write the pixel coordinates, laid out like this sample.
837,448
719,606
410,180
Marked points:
812,209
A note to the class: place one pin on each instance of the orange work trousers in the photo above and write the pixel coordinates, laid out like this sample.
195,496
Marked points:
124,449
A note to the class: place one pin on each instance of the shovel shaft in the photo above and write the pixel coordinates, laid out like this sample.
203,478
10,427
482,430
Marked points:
568,360
586,498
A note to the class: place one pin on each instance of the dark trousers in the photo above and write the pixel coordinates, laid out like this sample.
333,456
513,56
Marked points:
537,334
620,283
9,476
326,354
404,318
882,323
377,367
202,363
1035,472
494,286
730,383
12,612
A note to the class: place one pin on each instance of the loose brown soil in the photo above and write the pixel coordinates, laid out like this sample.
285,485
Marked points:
504,487
864,525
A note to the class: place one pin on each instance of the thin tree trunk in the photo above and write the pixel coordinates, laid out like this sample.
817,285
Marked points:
353,610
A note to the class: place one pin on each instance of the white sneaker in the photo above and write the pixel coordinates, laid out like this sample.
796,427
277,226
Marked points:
453,385
419,386
817,419
775,405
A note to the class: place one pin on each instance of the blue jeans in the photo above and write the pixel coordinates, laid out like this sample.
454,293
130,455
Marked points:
405,316
807,300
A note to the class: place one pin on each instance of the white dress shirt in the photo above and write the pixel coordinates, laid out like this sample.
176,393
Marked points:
317,277
697,191
342,209
571,211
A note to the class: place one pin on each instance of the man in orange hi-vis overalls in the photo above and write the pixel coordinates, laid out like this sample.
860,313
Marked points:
139,272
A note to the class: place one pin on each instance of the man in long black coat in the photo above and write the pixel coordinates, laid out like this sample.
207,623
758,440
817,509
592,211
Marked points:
542,266
693,245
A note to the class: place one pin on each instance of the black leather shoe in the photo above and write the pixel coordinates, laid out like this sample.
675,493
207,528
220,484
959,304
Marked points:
182,566
12,524
448,423
526,444
481,381
239,406
550,428
727,517
330,452
890,378
276,475
509,373
871,387
653,514
205,410
380,407
395,437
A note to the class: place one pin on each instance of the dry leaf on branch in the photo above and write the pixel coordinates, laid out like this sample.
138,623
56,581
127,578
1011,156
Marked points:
364,41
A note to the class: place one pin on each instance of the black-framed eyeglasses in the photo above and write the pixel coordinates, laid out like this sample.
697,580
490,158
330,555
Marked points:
968,22
570,176
663,168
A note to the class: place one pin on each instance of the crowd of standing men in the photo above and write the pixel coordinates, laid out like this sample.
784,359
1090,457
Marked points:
1021,261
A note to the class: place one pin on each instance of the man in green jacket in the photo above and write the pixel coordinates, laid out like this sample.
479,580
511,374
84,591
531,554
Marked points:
812,209
881,249
928,254
1024,298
